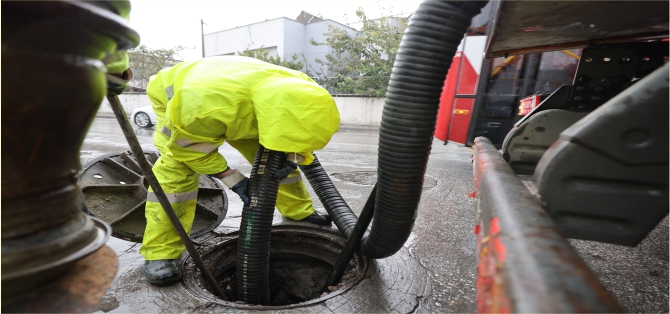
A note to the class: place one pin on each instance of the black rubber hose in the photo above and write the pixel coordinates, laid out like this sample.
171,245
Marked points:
253,243
342,215
408,124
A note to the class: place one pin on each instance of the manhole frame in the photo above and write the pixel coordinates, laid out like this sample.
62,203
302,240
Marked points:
189,281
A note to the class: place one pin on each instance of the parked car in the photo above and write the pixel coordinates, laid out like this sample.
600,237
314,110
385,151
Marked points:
144,117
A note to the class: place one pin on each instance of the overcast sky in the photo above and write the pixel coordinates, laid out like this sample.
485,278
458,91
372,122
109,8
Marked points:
165,24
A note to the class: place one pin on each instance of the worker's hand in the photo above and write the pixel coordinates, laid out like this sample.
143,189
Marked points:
117,83
236,182
286,168
241,190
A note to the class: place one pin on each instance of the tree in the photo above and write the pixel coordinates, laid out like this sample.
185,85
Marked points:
146,62
361,63
264,55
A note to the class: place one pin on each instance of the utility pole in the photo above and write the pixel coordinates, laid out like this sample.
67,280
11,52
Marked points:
202,36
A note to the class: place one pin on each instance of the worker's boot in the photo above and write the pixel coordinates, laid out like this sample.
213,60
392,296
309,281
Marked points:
162,272
317,219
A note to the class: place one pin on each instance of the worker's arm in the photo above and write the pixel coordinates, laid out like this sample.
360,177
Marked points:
202,156
118,63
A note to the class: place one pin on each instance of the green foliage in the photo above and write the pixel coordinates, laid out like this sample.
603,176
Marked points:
361,63
146,62
264,55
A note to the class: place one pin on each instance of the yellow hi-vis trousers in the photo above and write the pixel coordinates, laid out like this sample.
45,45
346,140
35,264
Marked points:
180,184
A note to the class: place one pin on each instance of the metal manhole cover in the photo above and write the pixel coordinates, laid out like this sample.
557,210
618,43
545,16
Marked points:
115,191
369,178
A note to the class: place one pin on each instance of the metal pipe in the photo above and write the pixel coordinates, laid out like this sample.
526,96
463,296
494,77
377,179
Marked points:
354,240
525,265
158,190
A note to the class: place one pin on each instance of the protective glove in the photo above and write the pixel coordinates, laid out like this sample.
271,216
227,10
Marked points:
117,83
286,168
237,182
241,190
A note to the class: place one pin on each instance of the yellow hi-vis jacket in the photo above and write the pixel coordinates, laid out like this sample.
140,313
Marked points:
231,98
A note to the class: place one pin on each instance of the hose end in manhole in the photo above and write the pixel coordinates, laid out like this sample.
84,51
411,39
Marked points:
301,258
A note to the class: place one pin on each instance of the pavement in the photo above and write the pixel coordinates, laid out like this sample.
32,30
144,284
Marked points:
433,272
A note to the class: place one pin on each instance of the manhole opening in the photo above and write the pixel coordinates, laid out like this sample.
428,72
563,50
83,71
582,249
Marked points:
300,261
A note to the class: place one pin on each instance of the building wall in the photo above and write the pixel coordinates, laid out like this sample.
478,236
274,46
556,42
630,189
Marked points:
315,31
294,32
249,37
365,111
289,36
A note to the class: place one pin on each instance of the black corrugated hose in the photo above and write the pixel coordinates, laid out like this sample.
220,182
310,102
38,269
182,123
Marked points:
408,123
253,243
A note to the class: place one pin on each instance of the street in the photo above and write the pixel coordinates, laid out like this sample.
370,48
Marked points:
435,271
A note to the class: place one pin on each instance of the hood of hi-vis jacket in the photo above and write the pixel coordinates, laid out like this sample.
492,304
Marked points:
236,98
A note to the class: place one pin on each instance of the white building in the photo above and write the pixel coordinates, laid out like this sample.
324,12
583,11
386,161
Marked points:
281,37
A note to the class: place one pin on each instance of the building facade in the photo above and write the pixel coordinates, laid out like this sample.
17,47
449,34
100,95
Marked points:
280,37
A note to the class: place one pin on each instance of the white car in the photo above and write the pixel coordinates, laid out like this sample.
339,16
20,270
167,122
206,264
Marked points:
144,117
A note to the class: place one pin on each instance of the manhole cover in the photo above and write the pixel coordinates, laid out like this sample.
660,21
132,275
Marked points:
369,178
301,258
115,191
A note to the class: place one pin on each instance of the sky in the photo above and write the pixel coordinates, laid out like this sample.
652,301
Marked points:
165,24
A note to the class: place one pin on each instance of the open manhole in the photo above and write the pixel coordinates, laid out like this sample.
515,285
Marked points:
301,258
115,191
369,178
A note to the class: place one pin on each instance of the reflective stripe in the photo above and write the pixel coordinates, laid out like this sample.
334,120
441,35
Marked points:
166,131
199,147
291,180
174,197
169,91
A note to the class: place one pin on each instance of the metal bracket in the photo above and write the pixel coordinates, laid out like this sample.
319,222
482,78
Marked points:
525,144
606,178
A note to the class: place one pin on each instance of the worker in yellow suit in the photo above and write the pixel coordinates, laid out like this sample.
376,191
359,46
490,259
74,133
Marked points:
117,63
245,102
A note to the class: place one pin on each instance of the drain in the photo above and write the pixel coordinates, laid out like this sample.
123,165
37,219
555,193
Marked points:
369,178
301,258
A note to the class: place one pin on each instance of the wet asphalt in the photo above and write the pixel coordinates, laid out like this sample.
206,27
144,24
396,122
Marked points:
435,271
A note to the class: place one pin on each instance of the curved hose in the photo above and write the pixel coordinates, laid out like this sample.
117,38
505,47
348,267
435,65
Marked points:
253,243
325,190
408,123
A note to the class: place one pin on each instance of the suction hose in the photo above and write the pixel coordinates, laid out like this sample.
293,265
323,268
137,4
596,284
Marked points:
253,243
408,123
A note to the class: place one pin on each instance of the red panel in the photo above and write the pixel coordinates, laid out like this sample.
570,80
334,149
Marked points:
461,119
447,99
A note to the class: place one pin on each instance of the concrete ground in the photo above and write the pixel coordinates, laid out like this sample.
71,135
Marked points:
433,272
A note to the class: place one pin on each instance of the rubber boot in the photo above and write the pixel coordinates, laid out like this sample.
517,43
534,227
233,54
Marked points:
318,219
162,272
